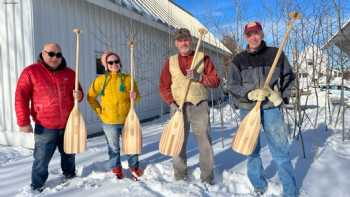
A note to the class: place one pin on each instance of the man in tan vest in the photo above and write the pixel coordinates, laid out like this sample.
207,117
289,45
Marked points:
176,72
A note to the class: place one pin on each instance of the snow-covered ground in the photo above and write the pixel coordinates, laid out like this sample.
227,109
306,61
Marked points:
324,171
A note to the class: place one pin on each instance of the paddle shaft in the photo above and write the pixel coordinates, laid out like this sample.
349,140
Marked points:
192,65
278,55
275,61
76,87
131,45
279,52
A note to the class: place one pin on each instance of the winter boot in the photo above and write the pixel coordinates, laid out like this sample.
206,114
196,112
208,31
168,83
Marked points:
136,173
118,171
259,192
69,175
36,190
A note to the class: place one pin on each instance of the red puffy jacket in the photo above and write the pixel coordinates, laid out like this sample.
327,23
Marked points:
50,94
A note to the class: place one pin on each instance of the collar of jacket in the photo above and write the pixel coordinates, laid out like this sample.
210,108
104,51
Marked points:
189,54
63,64
260,48
116,74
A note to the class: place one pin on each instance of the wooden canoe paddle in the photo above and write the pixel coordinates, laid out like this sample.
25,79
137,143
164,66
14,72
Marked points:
172,138
131,135
75,135
248,132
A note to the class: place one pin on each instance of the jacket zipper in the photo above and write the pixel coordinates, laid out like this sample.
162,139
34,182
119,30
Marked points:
258,74
59,97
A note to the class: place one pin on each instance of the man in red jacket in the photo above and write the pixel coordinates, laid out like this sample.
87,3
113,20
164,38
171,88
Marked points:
45,90
176,72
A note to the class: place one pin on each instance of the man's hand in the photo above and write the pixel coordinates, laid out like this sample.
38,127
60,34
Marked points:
77,95
26,129
259,94
193,75
174,107
275,96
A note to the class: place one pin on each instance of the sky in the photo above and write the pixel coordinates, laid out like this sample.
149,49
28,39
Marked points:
219,15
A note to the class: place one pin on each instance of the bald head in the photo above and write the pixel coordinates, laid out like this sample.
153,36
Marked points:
52,54
51,45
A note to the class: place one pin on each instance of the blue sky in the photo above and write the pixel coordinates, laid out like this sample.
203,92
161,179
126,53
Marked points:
219,15
222,12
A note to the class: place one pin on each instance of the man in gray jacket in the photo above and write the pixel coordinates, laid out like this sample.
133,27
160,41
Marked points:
250,70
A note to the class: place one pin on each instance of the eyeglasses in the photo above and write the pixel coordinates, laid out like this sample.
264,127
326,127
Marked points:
113,62
52,54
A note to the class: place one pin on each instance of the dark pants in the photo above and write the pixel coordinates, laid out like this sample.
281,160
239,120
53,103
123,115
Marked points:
46,141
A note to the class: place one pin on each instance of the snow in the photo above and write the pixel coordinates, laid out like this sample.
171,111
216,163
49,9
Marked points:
324,171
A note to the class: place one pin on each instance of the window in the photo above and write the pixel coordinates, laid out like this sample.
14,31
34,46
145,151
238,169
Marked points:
100,69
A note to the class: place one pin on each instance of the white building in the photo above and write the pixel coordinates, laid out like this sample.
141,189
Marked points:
313,64
105,24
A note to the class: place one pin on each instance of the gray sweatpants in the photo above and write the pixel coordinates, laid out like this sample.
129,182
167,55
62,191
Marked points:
198,117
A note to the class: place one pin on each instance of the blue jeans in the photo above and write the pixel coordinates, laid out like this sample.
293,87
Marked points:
113,133
46,141
277,141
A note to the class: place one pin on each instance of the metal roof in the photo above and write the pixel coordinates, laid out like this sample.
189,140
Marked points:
165,12
341,39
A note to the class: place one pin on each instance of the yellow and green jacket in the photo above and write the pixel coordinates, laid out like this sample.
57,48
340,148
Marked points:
114,91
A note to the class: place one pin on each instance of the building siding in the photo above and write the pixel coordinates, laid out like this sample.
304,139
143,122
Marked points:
16,38
53,21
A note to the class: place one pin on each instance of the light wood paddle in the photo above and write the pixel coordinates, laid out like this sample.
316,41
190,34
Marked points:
131,135
75,135
248,132
172,138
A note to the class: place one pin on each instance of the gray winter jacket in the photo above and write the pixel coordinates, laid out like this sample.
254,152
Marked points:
249,71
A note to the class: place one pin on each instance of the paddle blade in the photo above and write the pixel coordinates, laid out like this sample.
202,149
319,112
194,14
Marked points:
248,132
131,135
172,139
75,135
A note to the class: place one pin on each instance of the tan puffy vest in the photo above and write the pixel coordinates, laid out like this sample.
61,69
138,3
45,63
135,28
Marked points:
197,91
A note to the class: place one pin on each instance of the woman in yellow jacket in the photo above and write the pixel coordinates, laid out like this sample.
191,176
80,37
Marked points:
114,90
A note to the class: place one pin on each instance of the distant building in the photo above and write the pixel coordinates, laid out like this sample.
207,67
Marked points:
105,24
341,39
313,65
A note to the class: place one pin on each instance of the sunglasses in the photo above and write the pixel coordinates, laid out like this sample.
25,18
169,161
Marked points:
52,54
113,62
